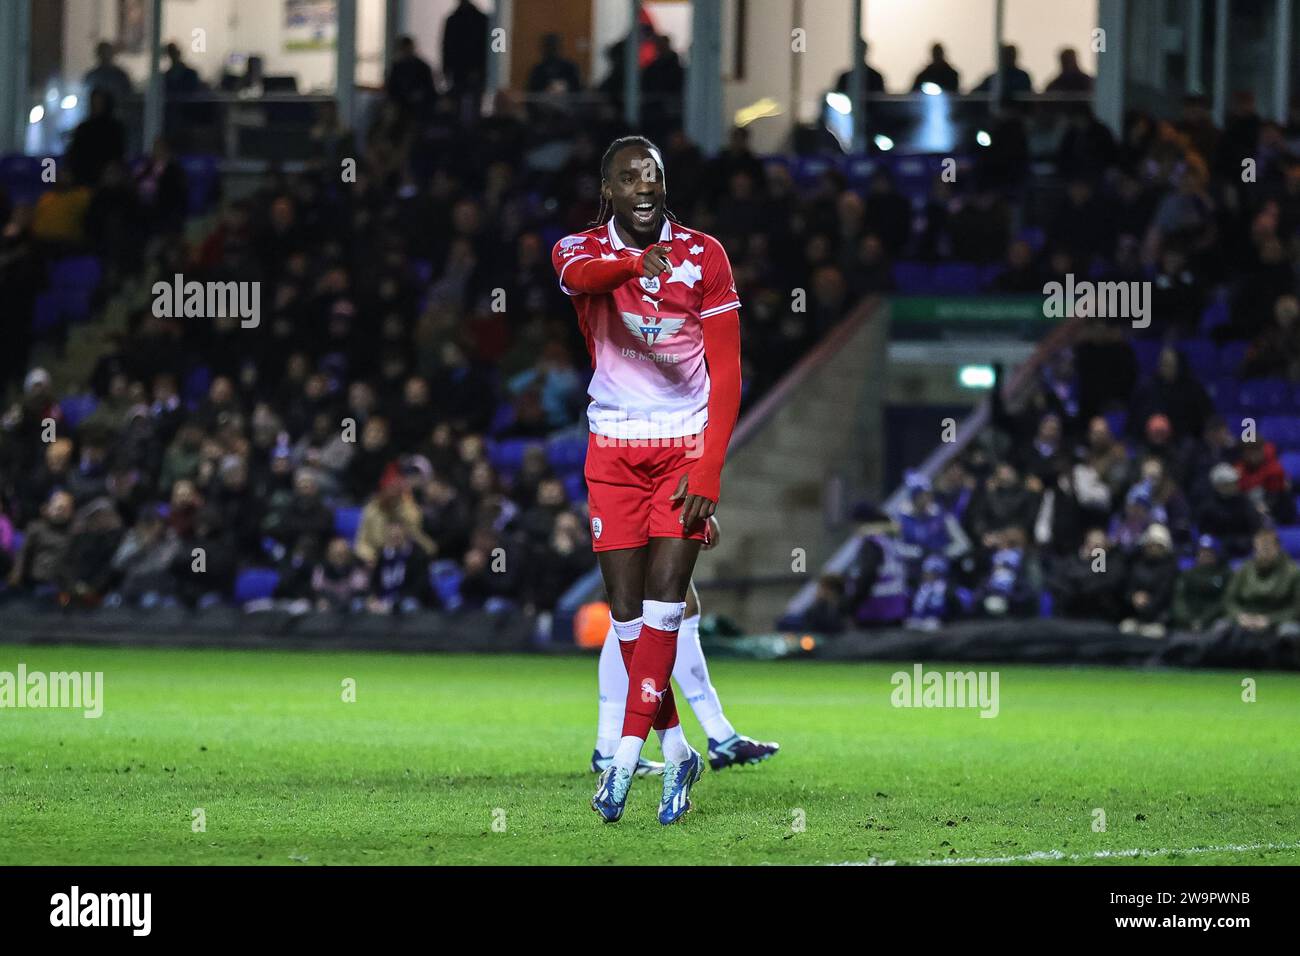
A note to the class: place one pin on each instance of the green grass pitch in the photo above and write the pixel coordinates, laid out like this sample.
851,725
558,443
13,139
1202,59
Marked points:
481,759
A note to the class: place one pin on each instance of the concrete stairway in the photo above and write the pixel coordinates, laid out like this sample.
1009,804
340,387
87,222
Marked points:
797,463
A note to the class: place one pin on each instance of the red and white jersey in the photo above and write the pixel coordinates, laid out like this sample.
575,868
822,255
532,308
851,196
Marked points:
646,338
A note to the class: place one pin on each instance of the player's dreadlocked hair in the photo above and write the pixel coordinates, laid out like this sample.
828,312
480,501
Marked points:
606,210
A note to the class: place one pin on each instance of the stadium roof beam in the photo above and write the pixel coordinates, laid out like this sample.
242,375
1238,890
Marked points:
703,106
1220,61
13,74
1108,96
632,67
395,20
345,62
857,82
1195,36
999,19
153,91
1281,60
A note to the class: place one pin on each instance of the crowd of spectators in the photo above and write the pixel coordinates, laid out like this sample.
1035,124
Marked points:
411,318
1106,491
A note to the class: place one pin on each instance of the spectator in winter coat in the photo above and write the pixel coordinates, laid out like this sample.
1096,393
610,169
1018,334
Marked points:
925,528
393,505
1262,479
935,601
1263,596
1199,593
42,561
399,578
1226,513
143,561
338,583
1089,584
1007,591
1149,584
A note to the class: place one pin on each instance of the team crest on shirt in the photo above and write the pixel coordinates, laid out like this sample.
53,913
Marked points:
596,528
649,330
650,284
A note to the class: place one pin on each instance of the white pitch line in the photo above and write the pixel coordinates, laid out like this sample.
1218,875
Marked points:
1043,856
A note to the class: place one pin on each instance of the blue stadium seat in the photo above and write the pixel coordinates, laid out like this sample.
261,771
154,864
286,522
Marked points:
808,169
507,454
956,278
18,539
567,454
21,178
1203,357
913,278
1263,394
255,583
46,314
196,386
913,176
76,272
1147,352
201,179
859,170
445,577
1282,430
77,408
1291,465
1290,538
422,271
346,522
1045,604
503,419
575,486
1036,236
1215,314
1117,421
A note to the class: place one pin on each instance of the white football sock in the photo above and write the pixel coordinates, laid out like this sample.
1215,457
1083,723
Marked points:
692,675
674,744
628,753
612,675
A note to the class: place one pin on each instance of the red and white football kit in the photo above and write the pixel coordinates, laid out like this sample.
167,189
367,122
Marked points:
666,388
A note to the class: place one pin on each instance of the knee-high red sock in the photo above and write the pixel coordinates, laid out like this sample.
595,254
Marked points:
649,693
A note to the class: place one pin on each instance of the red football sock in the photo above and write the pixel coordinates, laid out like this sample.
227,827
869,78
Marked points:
627,649
649,692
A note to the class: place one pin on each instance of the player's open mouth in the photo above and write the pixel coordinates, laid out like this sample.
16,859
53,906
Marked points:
644,213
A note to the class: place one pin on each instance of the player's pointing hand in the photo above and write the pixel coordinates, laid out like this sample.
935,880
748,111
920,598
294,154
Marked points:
654,261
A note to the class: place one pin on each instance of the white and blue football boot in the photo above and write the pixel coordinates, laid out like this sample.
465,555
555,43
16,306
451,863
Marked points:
611,793
678,780
644,768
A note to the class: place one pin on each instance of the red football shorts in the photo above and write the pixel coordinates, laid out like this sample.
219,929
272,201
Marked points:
628,487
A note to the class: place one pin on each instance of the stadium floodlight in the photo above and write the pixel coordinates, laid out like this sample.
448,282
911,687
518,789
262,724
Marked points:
975,376
69,102
983,138
840,103
883,143
930,89
36,115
